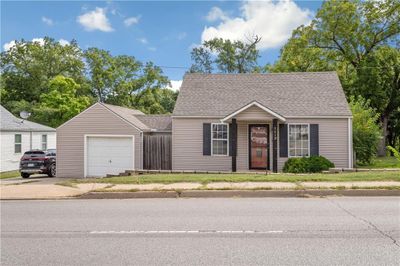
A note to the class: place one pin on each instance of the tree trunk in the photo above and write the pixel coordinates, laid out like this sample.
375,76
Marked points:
382,142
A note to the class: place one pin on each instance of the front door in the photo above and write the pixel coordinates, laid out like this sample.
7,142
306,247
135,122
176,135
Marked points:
258,146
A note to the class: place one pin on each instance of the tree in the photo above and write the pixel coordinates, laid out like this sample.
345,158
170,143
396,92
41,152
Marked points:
358,39
227,56
366,132
122,80
61,103
27,67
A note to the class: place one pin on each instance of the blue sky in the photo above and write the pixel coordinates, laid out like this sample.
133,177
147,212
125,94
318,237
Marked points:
160,31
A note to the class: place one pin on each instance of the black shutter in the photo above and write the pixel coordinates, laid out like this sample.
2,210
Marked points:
314,139
206,139
283,141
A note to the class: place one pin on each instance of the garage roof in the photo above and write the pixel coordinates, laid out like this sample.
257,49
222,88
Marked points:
142,121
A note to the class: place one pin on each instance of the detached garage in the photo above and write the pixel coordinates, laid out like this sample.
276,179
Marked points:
107,139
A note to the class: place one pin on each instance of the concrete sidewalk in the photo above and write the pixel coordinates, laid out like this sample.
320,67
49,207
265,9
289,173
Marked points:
47,188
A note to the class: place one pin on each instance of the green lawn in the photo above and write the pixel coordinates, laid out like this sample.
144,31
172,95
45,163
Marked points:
207,178
383,162
9,174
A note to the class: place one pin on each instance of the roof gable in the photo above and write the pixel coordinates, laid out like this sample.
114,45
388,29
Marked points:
287,94
253,107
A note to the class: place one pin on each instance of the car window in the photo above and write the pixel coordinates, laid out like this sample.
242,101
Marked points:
34,152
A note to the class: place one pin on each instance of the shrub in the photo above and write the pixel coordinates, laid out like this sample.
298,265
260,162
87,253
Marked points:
396,153
312,164
366,131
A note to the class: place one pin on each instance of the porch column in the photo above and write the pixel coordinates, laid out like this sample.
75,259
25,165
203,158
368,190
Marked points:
233,138
275,145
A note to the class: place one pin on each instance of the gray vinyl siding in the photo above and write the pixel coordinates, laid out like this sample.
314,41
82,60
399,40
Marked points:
333,140
187,144
254,113
95,120
187,147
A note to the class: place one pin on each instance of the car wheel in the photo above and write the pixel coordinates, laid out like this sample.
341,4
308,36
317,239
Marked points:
25,175
52,170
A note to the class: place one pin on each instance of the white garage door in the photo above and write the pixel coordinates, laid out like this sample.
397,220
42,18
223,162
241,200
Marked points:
108,155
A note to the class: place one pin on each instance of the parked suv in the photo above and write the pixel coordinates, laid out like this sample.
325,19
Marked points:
38,162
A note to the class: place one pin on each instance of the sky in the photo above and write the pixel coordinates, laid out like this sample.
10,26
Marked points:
163,32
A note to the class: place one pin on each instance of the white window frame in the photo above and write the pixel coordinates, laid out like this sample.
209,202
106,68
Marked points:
18,143
44,142
288,138
227,139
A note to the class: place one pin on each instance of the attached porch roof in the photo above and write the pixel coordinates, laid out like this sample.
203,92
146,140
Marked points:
249,105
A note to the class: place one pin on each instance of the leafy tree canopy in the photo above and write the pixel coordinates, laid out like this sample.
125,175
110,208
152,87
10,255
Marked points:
225,55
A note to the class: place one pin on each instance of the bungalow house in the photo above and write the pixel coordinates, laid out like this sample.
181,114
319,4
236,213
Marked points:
241,122
221,122
18,136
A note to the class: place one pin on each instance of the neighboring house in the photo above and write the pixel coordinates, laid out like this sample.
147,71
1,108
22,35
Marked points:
107,139
240,122
18,136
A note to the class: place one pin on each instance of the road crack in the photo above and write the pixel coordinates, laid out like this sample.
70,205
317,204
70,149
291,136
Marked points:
369,223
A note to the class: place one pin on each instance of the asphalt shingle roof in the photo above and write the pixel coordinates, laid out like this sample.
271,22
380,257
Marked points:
9,122
288,94
141,120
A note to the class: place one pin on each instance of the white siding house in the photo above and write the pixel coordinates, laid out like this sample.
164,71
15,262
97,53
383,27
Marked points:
18,136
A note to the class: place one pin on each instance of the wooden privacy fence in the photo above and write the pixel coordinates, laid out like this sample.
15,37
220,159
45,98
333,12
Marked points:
157,152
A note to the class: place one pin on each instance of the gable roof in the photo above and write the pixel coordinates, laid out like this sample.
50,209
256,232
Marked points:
142,121
9,122
157,122
300,94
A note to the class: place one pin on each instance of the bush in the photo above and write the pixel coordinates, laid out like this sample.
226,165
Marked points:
366,131
312,164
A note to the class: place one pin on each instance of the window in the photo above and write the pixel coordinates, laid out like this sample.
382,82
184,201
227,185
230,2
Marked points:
44,142
299,140
219,139
17,143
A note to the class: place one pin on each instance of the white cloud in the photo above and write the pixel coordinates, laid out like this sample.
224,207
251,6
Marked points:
215,14
143,40
63,42
7,46
131,21
272,21
175,85
95,20
47,21
152,48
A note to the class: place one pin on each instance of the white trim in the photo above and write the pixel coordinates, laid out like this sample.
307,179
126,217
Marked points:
227,140
321,116
85,137
259,106
108,109
288,140
350,142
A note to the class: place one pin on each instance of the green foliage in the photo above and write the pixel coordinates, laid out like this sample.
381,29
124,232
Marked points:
61,103
312,164
228,56
395,152
359,40
366,132
55,82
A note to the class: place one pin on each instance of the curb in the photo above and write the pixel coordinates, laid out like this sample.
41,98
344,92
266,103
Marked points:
241,193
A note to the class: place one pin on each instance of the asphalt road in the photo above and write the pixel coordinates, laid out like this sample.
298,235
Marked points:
236,231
